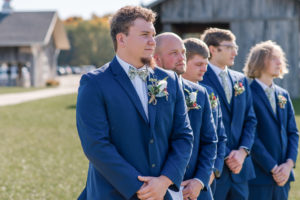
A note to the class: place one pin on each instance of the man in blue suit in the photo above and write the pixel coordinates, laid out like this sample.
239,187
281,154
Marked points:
170,54
197,54
275,147
132,119
237,111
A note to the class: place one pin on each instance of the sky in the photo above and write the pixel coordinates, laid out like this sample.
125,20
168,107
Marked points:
67,8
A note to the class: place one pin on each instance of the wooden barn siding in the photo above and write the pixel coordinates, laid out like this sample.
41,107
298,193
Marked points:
177,11
252,21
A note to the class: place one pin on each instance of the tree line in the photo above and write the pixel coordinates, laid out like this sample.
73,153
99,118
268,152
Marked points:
90,41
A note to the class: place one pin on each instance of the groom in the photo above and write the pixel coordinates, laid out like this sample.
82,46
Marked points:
131,118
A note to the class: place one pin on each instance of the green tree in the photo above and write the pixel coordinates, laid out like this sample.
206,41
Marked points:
90,42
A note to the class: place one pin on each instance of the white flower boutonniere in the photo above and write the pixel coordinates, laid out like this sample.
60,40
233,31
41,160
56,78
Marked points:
281,101
158,88
238,88
213,100
191,100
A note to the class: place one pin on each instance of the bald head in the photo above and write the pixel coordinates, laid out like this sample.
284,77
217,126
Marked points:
170,52
166,38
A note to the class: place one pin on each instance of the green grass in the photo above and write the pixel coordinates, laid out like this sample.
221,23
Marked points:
40,153
7,90
295,186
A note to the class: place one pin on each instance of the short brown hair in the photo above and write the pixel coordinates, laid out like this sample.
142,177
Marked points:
214,36
258,57
124,18
195,46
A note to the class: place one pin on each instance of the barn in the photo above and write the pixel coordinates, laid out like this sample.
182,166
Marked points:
252,21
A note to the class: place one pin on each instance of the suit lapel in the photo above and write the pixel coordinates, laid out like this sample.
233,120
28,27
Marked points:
151,107
124,81
279,112
215,81
263,96
278,109
233,104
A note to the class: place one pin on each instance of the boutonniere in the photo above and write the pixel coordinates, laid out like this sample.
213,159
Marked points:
157,88
213,100
238,88
191,100
281,101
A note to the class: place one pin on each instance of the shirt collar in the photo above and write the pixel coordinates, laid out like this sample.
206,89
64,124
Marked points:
126,65
218,70
265,86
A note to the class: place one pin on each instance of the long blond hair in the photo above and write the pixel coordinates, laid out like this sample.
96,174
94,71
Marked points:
259,54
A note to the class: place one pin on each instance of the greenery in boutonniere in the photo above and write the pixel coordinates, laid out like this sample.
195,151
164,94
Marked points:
281,101
191,100
157,88
213,100
238,88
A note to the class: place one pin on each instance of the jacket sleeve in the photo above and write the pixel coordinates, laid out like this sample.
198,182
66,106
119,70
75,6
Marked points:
208,145
181,142
292,132
249,127
222,139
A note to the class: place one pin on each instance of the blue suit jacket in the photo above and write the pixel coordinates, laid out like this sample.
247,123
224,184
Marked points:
205,138
118,139
222,138
276,135
239,121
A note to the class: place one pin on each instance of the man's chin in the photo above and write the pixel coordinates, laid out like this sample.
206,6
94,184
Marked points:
200,78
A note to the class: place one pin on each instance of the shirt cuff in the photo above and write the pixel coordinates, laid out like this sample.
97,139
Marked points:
200,182
273,168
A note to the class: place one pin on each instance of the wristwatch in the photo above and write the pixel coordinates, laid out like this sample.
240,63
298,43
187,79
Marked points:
246,150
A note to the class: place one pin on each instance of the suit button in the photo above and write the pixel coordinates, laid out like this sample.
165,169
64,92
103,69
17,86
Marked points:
151,141
153,165
188,166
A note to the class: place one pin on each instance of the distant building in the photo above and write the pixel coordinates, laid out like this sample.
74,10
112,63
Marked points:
30,40
252,21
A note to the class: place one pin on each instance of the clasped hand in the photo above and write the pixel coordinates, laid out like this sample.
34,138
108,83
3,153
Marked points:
235,160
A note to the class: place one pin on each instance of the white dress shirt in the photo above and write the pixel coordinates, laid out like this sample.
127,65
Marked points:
139,85
217,71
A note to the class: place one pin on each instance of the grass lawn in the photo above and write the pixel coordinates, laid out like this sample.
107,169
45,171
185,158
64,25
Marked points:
7,90
295,186
40,153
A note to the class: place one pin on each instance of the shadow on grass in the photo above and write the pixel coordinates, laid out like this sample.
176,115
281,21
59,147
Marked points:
71,106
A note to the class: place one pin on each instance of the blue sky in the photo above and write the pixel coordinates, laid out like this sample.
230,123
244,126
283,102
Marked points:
68,8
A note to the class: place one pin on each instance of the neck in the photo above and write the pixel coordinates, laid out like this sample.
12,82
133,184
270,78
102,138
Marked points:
268,80
187,78
134,62
218,64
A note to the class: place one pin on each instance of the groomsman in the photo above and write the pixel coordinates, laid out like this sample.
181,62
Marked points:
170,54
197,54
237,112
138,140
275,148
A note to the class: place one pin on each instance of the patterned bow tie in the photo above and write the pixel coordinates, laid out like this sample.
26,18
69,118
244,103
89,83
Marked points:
142,73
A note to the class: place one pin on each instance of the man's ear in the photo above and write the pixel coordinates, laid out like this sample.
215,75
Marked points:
121,39
157,60
212,50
